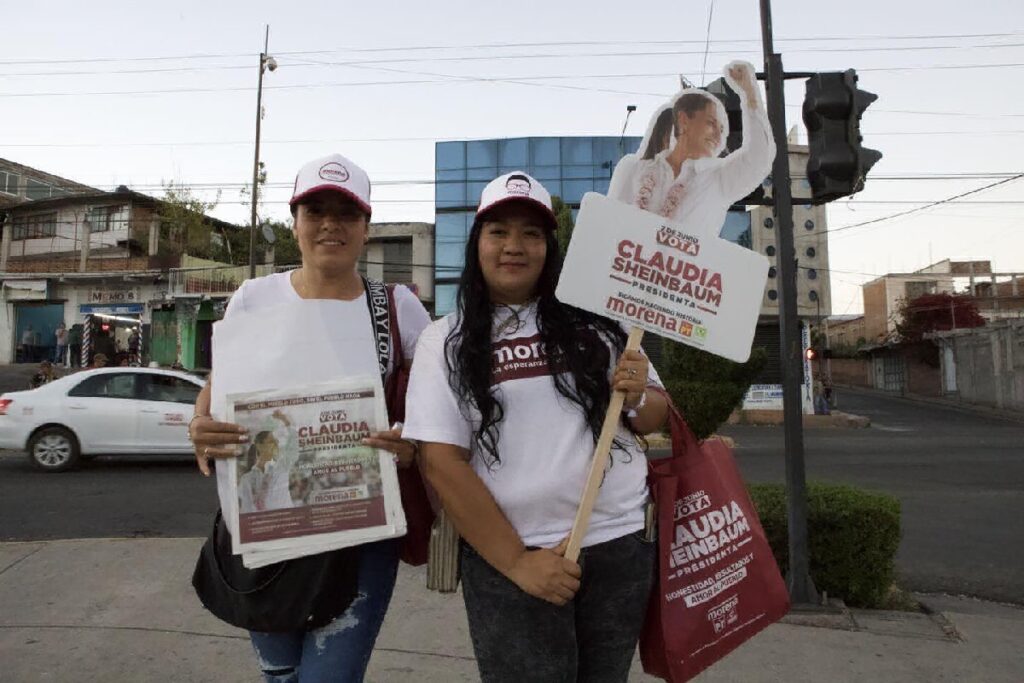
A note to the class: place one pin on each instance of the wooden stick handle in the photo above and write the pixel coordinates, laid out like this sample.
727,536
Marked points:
600,461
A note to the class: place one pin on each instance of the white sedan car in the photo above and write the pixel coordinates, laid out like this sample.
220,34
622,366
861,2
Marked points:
103,411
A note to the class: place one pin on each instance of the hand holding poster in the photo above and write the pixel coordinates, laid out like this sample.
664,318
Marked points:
304,484
651,258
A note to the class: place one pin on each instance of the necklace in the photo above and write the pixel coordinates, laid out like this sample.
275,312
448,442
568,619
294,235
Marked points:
513,322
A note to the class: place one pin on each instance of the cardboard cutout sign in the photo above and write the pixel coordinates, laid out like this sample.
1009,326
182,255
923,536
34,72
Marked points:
664,277
649,254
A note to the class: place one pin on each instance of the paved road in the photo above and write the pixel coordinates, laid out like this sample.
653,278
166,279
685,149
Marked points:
960,478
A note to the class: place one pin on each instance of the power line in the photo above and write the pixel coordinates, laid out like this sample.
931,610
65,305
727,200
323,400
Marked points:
949,200
413,48
536,81
707,43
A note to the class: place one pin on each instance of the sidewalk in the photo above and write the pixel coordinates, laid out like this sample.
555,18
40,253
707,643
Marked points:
123,610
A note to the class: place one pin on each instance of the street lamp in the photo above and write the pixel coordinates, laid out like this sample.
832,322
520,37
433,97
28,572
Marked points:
630,108
266,62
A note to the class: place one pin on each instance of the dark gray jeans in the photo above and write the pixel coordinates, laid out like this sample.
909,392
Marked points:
518,638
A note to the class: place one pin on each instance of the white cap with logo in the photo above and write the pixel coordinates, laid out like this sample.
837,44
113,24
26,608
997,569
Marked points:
333,172
517,186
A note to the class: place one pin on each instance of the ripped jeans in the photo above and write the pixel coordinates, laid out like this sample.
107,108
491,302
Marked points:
339,651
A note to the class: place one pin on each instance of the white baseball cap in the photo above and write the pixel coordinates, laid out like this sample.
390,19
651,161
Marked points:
517,186
333,172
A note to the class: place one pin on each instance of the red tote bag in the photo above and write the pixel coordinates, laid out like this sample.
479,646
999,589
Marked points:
717,582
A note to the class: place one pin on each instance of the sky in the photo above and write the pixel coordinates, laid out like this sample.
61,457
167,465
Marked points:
145,94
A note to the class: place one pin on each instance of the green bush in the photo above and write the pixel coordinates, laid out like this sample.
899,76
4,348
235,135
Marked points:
706,388
853,536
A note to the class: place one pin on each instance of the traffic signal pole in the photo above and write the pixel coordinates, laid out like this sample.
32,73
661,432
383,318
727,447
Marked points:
801,588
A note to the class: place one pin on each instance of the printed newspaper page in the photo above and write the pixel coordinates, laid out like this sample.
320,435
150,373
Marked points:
294,347
306,483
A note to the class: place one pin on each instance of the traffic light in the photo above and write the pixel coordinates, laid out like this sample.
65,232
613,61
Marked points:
734,111
811,353
832,109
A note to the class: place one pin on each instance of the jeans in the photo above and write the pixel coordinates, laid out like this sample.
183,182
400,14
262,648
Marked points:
517,637
58,355
339,651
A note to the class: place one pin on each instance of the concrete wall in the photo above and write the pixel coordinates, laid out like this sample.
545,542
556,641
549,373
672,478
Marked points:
923,379
852,371
875,310
990,364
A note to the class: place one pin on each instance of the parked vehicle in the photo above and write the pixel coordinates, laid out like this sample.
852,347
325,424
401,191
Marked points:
105,411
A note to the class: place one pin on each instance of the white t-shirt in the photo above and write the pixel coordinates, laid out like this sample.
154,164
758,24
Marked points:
276,289
544,441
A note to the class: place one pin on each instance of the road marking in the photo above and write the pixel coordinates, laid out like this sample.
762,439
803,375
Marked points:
886,428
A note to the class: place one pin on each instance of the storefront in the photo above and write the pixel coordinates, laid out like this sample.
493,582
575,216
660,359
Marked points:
114,330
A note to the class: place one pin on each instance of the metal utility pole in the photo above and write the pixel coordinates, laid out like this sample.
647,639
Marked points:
266,62
801,588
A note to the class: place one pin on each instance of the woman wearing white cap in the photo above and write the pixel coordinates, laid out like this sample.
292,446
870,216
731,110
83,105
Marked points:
331,207
507,397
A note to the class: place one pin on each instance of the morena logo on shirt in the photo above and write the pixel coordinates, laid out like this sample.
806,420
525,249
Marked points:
522,358
334,172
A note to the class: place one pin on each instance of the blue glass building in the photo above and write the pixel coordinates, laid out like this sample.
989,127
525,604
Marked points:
569,167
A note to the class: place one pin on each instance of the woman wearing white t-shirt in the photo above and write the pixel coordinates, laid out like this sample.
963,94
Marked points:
331,207
507,397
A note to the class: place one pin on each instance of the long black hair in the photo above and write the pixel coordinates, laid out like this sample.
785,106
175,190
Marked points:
577,341
662,129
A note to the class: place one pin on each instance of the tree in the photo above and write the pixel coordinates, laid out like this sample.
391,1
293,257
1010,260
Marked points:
286,247
706,388
185,227
563,215
935,312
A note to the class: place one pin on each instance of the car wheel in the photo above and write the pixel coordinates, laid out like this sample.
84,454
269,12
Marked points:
53,449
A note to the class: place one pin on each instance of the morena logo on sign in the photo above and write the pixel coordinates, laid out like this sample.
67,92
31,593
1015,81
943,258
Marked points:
334,172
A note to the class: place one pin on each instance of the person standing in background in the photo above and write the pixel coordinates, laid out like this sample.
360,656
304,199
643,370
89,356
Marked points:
61,335
75,346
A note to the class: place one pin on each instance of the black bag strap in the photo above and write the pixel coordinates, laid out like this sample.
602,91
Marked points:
380,318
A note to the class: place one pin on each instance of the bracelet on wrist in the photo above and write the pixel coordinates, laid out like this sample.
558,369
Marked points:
632,412
194,418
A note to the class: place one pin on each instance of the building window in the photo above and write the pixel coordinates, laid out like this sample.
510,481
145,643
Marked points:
544,152
36,226
9,182
482,155
512,153
444,299
736,228
36,190
101,218
450,155
398,261
577,152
